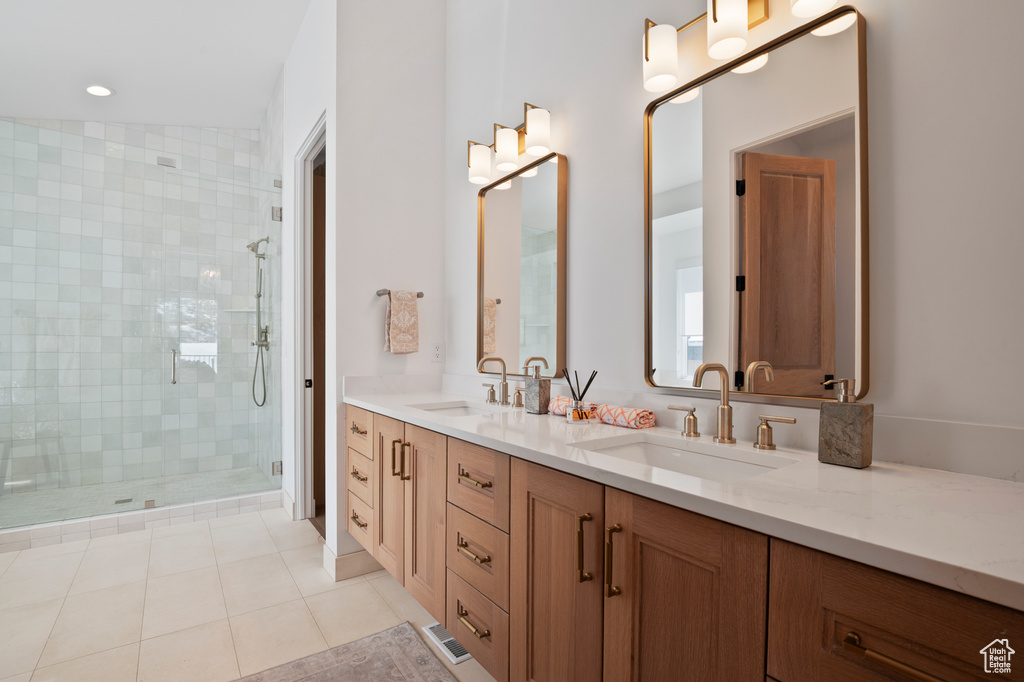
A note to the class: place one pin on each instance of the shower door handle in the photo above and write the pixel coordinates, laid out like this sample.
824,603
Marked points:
174,366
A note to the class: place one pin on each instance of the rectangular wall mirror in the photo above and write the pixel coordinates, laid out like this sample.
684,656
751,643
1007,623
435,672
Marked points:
756,218
521,237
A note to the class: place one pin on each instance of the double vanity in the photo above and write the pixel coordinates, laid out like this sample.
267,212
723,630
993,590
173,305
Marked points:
553,550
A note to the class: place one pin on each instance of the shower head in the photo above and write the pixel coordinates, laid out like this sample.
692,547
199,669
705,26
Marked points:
255,246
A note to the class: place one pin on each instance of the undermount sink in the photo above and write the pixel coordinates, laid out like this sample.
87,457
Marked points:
707,460
457,408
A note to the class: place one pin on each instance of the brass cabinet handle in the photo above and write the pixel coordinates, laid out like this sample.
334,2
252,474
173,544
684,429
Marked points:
355,475
394,458
402,474
852,643
469,479
581,575
355,430
481,634
463,547
361,524
610,590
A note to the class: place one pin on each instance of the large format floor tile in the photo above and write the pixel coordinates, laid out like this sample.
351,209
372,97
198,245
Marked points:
23,634
274,636
200,654
95,621
180,552
31,580
113,665
241,540
306,564
256,583
110,566
334,611
182,600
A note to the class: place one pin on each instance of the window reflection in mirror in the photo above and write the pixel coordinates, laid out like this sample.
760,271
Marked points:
522,235
791,132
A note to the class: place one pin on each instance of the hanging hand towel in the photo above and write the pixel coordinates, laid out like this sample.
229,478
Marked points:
490,316
560,403
630,417
402,326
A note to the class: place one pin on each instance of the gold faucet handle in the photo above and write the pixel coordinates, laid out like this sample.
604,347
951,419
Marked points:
517,397
690,422
764,431
491,397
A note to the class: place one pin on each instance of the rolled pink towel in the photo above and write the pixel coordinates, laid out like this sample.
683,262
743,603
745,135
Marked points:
630,417
560,403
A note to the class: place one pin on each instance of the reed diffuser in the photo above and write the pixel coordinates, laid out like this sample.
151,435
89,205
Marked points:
578,411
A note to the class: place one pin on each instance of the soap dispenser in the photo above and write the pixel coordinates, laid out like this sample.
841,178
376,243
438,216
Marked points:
844,431
538,389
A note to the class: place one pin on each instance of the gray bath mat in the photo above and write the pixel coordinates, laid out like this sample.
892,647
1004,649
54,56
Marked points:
396,654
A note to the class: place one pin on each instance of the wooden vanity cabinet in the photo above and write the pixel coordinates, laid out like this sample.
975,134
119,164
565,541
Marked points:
688,595
410,509
900,628
361,479
556,575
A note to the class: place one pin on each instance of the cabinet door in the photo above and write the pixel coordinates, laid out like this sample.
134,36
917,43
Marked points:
424,466
692,597
389,505
555,618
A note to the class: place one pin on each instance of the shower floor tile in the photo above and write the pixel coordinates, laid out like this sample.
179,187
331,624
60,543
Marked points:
60,504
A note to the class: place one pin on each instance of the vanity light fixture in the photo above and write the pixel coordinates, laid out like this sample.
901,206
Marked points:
479,163
506,148
836,25
752,65
728,23
99,91
810,8
532,138
537,127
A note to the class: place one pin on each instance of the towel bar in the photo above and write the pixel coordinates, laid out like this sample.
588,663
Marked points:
385,292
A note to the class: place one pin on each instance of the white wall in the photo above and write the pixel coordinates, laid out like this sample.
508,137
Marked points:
943,102
309,87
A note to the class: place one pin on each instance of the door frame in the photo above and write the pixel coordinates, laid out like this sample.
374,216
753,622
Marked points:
303,447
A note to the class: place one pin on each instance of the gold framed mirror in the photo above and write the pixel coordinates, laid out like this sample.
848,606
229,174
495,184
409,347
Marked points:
521,273
756,219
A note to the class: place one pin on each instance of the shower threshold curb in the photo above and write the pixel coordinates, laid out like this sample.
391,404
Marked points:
73,530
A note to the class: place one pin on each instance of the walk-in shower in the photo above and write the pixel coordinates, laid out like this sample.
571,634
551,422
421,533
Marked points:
262,340
109,261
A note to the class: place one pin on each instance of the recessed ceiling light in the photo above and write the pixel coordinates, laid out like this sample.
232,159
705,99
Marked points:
99,91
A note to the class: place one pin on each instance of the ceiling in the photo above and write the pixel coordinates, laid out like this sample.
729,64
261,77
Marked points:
173,62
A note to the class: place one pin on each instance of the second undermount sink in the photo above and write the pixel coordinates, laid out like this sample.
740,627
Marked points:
707,460
457,408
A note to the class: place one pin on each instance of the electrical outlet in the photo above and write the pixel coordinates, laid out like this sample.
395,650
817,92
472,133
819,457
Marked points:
436,356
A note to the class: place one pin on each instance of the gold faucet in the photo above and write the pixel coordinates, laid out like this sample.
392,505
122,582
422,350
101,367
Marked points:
769,374
503,392
725,409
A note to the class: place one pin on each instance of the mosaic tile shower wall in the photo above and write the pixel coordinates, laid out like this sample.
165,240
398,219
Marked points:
108,262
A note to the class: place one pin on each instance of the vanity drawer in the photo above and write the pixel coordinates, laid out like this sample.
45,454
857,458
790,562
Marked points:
358,429
478,481
479,625
826,612
360,476
359,521
478,553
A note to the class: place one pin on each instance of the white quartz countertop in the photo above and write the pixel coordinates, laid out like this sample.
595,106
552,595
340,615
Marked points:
964,533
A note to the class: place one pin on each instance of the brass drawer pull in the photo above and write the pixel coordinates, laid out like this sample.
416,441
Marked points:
581,575
463,547
852,643
361,524
610,590
481,634
394,459
469,479
401,473
355,475
355,430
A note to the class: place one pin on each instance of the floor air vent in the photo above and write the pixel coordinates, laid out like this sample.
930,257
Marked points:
448,645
